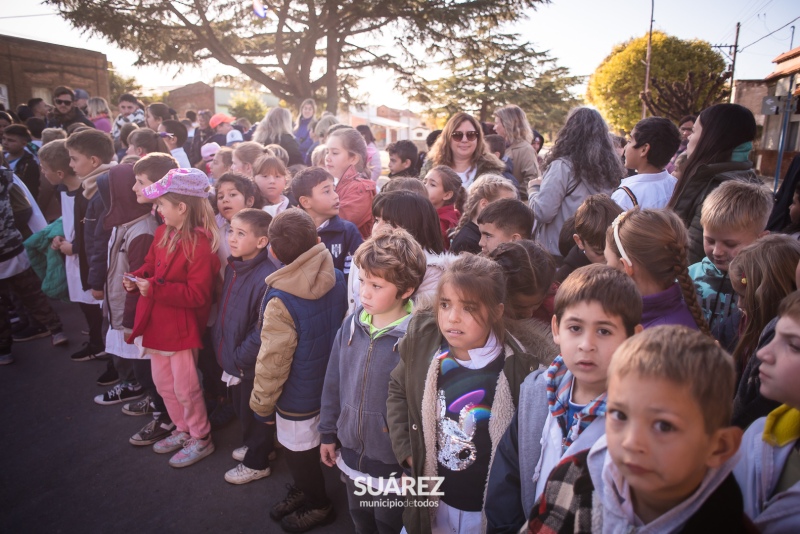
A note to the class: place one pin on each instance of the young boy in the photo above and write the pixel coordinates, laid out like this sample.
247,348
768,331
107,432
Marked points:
768,469
592,219
175,139
150,169
562,409
90,155
503,221
237,338
391,267
314,190
733,216
665,462
22,162
497,145
402,156
653,142
303,309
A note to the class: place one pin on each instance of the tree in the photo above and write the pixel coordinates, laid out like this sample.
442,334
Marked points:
247,104
300,47
491,69
616,85
689,97
119,85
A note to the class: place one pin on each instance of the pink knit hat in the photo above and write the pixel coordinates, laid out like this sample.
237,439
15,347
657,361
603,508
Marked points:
190,182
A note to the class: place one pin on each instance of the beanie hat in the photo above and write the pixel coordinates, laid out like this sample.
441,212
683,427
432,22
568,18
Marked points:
190,182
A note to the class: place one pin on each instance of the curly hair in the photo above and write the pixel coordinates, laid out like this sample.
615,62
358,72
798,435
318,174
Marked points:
394,255
515,123
584,141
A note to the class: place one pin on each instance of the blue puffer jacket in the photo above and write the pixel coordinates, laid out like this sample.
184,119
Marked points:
341,238
235,333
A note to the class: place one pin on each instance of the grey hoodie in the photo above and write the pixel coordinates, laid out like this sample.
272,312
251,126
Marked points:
355,393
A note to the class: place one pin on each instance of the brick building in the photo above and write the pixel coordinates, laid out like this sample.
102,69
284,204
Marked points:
200,95
31,69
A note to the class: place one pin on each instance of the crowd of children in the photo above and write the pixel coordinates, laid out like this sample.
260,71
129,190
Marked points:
412,328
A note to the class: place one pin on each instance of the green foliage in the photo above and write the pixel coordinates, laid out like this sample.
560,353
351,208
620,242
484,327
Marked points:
616,85
489,70
247,104
301,48
119,85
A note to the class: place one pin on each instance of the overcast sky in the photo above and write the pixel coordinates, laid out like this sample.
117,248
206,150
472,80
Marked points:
580,33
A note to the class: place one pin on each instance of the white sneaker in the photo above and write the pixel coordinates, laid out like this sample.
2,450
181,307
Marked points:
238,454
242,474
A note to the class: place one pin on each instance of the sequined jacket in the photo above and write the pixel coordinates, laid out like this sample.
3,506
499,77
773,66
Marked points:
411,407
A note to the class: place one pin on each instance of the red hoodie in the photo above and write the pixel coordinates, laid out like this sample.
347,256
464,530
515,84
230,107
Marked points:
355,200
448,219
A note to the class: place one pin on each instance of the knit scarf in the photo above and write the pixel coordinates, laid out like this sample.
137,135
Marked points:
559,385
782,426
742,152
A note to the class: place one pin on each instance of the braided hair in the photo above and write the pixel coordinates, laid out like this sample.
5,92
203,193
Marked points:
486,186
657,241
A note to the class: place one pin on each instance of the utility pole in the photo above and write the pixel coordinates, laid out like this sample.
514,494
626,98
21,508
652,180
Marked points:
733,60
647,59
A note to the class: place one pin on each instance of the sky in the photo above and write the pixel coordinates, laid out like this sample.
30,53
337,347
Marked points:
579,33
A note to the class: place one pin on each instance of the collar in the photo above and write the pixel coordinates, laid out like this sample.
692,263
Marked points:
482,356
782,426
375,332
742,152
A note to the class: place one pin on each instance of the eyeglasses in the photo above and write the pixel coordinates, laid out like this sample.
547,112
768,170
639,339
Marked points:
458,136
62,102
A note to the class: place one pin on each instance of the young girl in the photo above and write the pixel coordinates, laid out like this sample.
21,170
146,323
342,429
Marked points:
270,175
143,141
176,284
415,214
487,188
650,246
345,159
245,156
221,163
235,192
529,270
155,114
450,397
447,195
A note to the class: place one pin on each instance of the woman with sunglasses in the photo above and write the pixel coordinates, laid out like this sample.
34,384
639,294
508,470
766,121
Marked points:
461,147
582,163
65,112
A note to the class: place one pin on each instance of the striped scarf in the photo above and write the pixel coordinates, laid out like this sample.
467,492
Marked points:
559,385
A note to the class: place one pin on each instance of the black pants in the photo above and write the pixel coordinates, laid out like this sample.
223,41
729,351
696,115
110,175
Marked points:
259,437
306,471
28,287
144,375
94,318
213,387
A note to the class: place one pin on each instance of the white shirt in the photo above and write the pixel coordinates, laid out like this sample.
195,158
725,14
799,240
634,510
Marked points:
652,191
180,155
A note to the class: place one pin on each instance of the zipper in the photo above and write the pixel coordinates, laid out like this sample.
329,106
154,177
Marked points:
224,309
361,404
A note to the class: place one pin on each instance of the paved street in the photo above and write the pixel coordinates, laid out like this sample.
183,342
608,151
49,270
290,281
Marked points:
66,465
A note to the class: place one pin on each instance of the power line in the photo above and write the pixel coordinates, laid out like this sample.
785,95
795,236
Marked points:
28,16
770,33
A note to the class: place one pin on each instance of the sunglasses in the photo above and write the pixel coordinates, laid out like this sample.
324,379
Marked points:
458,136
63,102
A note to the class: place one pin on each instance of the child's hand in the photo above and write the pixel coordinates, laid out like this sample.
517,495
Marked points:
55,244
98,295
327,452
144,286
66,248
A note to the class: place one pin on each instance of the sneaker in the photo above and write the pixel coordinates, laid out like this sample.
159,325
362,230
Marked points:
141,407
292,502
30,333
59,339
238,454
120,393
222,415
241,474
156,430
87,353
109,377
307,518
193,451
171,443
6,358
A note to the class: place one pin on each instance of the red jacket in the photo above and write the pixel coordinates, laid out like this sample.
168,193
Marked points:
175,312
355,200
448,219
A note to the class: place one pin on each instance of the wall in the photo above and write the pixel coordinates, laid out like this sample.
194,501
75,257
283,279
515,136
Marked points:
195,96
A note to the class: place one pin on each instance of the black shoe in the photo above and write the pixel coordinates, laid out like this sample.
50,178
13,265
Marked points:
109,377
30,333
141,407
156,430
307,518
88,352
222,415
120,393
293,501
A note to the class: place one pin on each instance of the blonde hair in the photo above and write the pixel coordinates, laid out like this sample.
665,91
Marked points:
486,186
688,359
56,156
97,105
657,241
52,134
323,125
395,256
515,124
762,273
277,122
279,152
249,152
199,215
318,156
737,206
269,164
